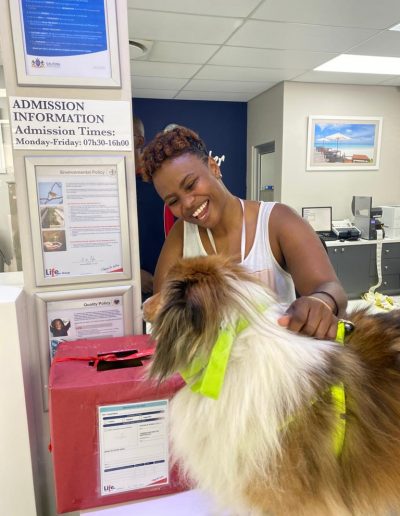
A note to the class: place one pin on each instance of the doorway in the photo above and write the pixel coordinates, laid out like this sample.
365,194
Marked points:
264,172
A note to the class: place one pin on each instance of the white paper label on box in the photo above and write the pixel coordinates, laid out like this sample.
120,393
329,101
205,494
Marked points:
133,445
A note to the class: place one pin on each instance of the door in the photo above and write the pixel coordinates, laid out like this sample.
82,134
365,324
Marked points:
264,170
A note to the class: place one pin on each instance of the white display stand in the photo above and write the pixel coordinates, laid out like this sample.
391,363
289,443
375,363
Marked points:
192,502
17,496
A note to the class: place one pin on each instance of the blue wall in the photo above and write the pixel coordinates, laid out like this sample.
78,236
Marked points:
222,126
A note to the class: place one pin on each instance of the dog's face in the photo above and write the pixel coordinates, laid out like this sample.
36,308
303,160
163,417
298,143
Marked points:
197,296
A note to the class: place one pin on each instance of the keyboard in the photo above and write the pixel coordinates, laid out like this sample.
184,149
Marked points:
327,235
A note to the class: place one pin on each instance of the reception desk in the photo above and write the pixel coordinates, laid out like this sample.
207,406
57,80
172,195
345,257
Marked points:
355,264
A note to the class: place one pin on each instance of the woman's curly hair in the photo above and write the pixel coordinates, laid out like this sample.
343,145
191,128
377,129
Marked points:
168,145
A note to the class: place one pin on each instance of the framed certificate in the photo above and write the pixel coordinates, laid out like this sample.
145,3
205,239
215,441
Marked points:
72,315
79,221
66,43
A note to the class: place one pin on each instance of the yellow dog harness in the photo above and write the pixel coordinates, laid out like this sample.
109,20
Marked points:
208,374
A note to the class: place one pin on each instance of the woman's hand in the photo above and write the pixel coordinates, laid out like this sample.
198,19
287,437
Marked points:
310,316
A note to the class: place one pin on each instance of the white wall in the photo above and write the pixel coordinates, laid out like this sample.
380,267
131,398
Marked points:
17,496
332,188
265,124
336,188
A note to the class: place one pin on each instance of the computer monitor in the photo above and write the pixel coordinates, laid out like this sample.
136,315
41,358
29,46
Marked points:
319,217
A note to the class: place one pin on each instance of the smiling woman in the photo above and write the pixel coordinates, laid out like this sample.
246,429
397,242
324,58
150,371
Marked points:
268,238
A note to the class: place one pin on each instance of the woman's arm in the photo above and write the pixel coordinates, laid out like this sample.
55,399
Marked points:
298,249
171,251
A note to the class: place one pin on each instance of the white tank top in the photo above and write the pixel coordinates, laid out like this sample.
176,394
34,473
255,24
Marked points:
260,259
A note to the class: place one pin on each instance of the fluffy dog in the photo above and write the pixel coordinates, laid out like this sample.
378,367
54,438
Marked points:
266,445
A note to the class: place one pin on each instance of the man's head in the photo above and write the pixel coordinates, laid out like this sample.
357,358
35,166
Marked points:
138,133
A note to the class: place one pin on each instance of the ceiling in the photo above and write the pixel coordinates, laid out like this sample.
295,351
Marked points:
234,50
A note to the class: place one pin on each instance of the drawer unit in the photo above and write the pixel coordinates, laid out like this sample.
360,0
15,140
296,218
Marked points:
352,265
391,284
390,261
355,266
391,250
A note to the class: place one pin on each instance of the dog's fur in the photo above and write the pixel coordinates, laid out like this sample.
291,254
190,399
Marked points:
266,445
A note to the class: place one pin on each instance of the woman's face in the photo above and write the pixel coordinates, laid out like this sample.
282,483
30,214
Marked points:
191,189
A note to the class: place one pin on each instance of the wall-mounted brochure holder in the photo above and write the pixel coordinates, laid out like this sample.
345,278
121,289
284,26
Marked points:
79,221
71,315
65,46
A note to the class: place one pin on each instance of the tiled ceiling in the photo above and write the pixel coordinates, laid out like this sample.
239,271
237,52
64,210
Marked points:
236,49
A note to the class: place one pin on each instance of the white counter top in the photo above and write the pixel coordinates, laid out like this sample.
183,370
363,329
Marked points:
361,241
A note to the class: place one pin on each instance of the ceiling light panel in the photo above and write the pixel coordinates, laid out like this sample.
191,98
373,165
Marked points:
342,78
348,63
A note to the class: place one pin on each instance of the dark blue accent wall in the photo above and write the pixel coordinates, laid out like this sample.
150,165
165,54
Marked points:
222,126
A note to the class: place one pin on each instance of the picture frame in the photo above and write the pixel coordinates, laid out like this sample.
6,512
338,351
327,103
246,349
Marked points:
71,304
343,142
79,219
85,58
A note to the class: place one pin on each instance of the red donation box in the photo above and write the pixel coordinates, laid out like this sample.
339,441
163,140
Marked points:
109,424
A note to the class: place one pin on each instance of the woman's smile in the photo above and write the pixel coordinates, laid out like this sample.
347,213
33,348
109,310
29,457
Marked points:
201,211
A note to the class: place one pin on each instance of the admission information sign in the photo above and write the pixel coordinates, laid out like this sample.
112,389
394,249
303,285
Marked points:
70,124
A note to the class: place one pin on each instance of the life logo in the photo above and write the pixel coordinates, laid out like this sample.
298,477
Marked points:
108,488
52,272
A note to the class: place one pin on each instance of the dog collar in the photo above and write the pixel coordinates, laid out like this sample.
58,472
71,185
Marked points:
338,393
205,375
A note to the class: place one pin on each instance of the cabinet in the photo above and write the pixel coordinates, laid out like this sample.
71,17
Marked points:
390,268
355,266
352,264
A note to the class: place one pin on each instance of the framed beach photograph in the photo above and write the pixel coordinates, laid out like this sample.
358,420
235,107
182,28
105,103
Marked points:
343,143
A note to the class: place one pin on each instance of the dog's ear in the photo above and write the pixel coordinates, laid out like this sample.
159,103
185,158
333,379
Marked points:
151,307
189,319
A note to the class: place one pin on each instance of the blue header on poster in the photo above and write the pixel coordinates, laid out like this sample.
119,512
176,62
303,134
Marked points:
64,27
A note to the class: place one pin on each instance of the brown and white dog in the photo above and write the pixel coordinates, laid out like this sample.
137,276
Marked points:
266,444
